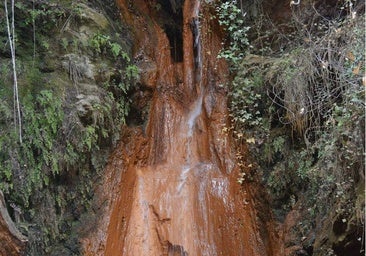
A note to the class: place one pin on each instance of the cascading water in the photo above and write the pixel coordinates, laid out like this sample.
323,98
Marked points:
174,184
182,199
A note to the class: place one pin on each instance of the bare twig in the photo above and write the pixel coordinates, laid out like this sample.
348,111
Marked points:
11,36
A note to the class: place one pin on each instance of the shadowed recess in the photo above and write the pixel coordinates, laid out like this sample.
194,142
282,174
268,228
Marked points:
173,26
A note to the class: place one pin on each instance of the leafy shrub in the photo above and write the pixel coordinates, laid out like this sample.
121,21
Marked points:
246,99
232,19
61,156
103,44
304,110
30,166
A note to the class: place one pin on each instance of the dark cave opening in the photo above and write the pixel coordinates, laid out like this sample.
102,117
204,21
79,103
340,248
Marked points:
172,23
176,42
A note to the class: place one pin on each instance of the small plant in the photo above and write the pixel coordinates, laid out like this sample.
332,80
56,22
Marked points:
64,43
115,49
103,44
246,99
99,43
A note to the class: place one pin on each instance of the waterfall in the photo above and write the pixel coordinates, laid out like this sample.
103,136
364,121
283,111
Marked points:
185,201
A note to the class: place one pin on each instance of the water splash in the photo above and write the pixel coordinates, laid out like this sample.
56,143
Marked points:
194,114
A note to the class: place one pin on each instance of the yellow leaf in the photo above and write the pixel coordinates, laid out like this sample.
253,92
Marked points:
250,140
356,70
350,56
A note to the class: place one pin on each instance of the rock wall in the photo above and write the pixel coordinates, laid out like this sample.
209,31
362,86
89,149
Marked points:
177,193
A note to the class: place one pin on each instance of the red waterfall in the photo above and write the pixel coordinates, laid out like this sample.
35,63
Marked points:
176,193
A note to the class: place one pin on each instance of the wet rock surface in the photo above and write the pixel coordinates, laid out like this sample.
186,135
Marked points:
174,190
177,193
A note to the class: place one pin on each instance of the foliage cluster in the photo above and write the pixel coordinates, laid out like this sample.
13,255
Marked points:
36,20
56,146
120,83
121,79
103,44
62,154
304,111
232,20
246,99
46,15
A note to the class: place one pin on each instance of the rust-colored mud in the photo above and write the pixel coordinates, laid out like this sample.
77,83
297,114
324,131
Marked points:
177,193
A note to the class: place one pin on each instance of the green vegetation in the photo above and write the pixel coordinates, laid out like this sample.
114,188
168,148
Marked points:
246,97
299,105
232,20
74,100
296,100
103,44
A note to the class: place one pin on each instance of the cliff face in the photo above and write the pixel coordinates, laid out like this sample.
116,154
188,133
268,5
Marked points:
128,147
178,193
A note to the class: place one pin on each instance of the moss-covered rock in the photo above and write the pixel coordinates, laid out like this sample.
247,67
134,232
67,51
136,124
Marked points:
73,86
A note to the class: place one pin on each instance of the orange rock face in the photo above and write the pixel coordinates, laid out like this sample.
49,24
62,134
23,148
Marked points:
12,242
177,193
